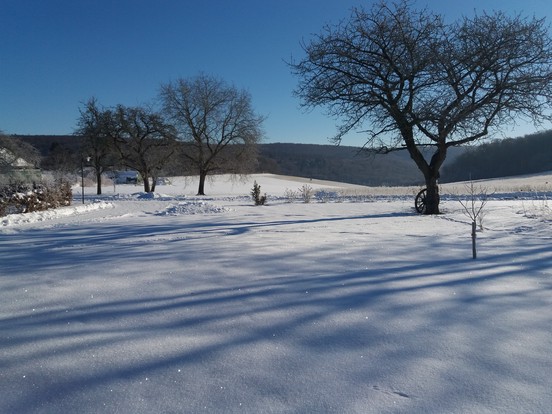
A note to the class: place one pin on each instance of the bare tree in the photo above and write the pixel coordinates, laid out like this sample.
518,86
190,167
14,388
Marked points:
216,123
473,208
410,81
144,141
93,126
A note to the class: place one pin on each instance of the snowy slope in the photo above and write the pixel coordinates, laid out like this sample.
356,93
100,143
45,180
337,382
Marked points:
169,303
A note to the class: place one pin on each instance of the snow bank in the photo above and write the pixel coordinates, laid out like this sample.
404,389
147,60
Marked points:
192,207
14,219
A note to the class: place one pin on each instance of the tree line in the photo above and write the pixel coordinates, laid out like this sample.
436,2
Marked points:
338,163
202,125
507,157
61,154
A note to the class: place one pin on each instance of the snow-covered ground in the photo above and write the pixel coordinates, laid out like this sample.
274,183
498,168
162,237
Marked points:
353,303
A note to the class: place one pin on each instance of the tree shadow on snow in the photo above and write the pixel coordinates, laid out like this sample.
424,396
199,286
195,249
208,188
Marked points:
338,329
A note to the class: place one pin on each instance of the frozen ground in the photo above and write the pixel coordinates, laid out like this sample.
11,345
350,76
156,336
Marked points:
177,304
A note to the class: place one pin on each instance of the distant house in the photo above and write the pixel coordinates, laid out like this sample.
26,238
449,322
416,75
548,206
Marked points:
16,169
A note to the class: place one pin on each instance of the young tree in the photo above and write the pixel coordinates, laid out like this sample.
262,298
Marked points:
216,123
421,84
144,141
93,126
473,209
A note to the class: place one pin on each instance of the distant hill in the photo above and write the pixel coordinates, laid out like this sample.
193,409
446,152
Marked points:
507,157
338,163
503,158
325,162
45,143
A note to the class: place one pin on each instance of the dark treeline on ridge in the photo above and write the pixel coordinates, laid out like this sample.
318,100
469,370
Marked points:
502,158
339,163
324,162
506,157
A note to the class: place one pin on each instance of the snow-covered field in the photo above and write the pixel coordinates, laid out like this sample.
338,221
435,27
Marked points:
352,303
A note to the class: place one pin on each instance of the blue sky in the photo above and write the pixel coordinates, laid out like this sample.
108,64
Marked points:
55,54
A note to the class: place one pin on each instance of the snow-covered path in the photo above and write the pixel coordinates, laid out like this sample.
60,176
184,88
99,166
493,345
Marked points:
178,306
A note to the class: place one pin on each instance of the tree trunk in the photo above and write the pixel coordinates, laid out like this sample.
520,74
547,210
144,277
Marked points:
147,188
98,183
430,170
431,175
432,196
474,235
202,177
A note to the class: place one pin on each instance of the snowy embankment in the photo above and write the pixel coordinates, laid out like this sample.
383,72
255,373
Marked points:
38,216
353,304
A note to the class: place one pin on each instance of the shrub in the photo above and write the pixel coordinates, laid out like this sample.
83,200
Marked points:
19,198
325,196
256,195
290,195
306,192
538,209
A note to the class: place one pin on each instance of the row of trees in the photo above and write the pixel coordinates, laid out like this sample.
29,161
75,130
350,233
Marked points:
507,157
412,81
202,123
339,163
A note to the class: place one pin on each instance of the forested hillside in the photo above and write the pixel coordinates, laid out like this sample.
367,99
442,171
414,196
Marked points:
327,162
507,157
338,163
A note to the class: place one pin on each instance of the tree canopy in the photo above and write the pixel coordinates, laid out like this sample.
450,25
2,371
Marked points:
408,80
144,141
216,123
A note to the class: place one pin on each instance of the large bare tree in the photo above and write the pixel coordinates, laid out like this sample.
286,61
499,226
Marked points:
410,81
216,124
145,142
97,144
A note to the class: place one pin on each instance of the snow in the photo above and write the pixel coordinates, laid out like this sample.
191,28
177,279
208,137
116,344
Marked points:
170,303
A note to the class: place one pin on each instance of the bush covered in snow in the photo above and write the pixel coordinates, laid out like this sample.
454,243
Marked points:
20,198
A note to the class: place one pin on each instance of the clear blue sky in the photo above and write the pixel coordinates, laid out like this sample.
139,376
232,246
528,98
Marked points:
55,54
